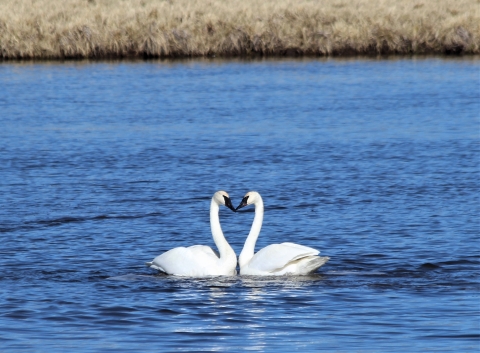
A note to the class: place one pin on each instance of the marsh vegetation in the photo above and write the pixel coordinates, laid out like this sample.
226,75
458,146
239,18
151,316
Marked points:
48,29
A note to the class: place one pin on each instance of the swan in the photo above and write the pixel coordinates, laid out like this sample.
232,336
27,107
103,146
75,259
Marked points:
201,260
275,259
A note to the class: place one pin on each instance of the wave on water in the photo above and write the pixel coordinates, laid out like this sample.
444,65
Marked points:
34,224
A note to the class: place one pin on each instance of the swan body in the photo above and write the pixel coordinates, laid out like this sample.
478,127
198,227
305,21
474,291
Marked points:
201,260
276,259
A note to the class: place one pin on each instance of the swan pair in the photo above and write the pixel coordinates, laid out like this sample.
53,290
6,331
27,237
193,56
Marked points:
273,260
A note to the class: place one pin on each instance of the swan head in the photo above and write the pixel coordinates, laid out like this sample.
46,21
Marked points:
222,198
249,199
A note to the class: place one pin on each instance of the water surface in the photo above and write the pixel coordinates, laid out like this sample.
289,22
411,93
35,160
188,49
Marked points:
103,166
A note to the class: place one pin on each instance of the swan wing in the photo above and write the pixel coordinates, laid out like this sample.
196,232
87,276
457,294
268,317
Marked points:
311,251
276,256
196,249
197,260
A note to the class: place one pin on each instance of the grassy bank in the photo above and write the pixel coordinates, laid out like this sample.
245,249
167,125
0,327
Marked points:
54,29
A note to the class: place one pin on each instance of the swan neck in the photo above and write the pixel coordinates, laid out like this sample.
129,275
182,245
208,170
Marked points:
223,247
249,248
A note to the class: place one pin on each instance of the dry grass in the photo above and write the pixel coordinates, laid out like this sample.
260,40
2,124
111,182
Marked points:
54,29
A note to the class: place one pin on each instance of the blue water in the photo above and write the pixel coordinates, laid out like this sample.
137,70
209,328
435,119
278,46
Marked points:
104,166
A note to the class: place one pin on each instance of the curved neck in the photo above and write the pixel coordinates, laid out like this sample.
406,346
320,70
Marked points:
223,247
249,247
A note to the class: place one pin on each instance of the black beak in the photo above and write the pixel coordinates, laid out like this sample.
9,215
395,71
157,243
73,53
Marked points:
228,203
242,204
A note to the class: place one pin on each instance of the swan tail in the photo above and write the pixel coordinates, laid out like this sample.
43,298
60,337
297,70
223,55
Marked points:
314,264
154,266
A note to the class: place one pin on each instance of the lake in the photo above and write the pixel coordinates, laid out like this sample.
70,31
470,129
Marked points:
105,165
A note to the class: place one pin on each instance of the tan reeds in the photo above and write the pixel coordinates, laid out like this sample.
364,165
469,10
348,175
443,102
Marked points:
54,29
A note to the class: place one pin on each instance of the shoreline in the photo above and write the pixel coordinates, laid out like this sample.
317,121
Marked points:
182,29
244,59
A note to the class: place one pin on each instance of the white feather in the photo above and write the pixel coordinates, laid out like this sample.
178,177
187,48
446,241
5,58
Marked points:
201,260
275,259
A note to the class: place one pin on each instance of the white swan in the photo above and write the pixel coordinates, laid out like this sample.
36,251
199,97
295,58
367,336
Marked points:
275,259
200,260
